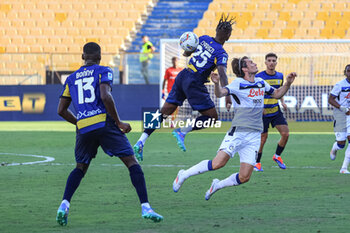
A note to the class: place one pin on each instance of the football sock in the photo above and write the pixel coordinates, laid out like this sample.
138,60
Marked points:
279,150
143,138
72,184
337,146
259,157
346,158
138,180
66,203
186,130
150,131
232,180
202,119
201,167
146,204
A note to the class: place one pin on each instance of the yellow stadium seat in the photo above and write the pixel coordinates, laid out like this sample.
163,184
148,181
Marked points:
36,48
301,6
255,23
266,24
289,6
237,6
343,24
227,6
42,24
300,33
252,6
284,15
339,33
327,6
335,15
61,16
276,6
271,15
275,33
326,33
248,16
5,8
340,6
243,24
318,24
287,33
249,33
297,15
346,15
280,24
331,23
293,24
322,15
309,15
262,33
2,49
305,24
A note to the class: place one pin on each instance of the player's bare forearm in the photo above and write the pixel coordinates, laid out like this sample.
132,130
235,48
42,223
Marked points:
64,112
333,102
187,53
223,76
110,107
219,91
279,93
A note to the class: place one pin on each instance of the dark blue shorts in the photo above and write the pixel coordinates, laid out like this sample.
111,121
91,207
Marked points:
189,86
109,137
274,120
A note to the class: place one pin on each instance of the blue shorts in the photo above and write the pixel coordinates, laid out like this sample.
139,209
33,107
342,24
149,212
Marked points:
274,120
189,86
109,137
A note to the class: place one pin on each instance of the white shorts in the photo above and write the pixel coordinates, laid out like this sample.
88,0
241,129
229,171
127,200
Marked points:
245,142
341,128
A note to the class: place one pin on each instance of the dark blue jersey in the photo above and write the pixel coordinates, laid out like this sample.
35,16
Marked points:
271,105
208,55
83,87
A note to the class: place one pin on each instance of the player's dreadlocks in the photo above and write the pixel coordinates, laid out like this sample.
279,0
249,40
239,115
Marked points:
226,23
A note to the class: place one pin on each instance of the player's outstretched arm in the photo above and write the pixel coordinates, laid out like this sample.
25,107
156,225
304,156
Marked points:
218,90
108,101
279,93
64,112
224,82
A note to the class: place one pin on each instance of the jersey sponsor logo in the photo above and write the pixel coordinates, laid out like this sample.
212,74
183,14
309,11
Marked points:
254,93
224,60
88,113
110,76
347,96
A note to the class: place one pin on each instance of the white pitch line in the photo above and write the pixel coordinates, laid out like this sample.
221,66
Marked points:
179,165
47,159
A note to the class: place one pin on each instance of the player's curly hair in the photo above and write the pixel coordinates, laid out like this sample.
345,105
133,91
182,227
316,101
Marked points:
226,23
237,65
348,65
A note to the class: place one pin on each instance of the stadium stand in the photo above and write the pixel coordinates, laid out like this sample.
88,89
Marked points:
58,29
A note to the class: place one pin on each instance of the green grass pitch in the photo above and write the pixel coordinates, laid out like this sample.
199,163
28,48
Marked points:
309,196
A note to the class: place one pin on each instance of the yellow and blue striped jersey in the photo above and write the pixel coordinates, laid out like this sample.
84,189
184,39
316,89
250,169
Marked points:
83,88
271,105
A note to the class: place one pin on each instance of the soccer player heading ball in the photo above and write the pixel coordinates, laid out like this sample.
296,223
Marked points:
339,99
98,124
245,134
189,83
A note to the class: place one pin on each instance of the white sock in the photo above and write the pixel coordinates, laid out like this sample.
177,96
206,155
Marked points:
277,156
143,138
186,130
65,202
346,158
229,181
146,204
336,147
197,169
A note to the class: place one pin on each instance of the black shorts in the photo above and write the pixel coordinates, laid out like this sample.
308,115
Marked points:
109,137
274,120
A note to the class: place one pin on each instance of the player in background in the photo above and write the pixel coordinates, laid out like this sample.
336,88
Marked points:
245,134
189,83
340,100
169,79
272,113
98,124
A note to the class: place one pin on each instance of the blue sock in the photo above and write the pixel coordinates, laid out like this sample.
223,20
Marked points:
210,165
138,180
73,182
202,119
150,131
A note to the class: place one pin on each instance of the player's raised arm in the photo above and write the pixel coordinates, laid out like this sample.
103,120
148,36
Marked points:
108,101
218,90
224,82
279,93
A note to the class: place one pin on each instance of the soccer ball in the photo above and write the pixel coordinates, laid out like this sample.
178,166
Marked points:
189,41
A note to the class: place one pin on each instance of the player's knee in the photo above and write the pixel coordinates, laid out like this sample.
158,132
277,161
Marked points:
285,134
83,167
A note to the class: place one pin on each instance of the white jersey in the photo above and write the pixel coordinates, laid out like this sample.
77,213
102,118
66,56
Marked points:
341,91
248,104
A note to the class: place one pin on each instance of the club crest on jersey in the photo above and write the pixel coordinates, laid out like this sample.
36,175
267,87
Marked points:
254,93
